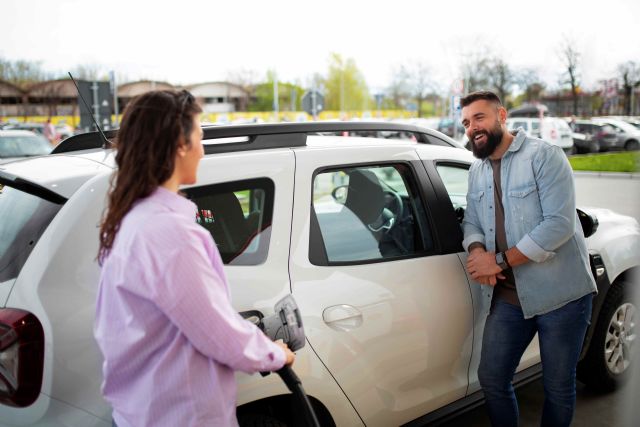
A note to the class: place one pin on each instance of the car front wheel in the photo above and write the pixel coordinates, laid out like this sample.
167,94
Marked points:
607,364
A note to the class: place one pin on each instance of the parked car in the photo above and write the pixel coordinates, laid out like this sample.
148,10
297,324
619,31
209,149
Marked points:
450,127
16,144
33,127
362,230
551,129
63,131
628,135
592,137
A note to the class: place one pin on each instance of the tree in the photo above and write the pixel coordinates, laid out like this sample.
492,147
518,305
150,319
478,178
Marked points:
416,82
22,73
345,86
571,59
500,77
530,84
245,78
630,74
289,95
476,68
398,90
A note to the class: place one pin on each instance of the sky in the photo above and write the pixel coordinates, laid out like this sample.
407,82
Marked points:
195,41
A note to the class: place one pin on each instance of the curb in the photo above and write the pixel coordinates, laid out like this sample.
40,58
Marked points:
616,175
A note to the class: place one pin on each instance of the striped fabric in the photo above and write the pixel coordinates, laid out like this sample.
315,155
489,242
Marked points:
165,325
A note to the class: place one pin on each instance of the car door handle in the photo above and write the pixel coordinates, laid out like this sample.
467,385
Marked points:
342,317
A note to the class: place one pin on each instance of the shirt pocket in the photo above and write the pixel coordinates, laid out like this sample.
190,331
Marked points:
476,196
524,204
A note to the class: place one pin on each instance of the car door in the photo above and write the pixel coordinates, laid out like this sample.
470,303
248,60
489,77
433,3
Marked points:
452,177
385,310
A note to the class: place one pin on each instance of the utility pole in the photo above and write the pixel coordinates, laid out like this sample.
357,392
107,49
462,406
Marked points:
96,104
276,107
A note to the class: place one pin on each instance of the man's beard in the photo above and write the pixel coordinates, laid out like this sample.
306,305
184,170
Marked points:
494,136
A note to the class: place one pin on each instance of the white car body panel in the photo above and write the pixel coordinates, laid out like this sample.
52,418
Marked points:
382,346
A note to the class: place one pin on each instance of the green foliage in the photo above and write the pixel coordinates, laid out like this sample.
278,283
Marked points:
613,162
289,95
345,87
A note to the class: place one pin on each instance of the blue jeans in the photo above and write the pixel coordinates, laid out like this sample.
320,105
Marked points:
506,336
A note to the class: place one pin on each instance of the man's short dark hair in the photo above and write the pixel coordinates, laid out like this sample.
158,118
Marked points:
487,95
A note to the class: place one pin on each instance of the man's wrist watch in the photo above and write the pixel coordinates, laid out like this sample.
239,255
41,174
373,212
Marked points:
501,260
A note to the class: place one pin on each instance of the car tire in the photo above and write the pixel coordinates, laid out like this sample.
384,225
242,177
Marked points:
259,420
608,361
632,145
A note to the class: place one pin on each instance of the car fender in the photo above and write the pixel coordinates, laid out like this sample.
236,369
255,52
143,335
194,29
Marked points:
617,240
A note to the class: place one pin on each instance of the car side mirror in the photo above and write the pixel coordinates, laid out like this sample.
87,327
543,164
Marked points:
588,222
339,194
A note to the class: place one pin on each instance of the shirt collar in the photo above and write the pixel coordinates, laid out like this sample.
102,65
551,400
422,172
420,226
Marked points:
174,202
516,144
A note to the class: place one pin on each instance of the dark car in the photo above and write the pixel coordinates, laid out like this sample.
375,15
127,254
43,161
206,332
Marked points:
590,137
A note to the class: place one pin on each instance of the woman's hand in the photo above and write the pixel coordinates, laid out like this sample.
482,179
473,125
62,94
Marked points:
288,353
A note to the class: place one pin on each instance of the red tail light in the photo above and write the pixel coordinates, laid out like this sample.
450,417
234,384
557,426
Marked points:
21,357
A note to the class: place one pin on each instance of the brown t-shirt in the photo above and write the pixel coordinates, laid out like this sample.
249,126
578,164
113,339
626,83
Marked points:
505,289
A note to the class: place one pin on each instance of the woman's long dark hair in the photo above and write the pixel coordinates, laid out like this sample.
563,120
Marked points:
153,126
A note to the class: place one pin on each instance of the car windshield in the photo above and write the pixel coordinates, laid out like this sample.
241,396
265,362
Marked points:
23,146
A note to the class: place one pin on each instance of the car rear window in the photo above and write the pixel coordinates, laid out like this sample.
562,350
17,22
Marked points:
23,219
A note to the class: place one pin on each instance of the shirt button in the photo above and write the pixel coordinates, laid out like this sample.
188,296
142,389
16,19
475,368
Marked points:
490,207
491,229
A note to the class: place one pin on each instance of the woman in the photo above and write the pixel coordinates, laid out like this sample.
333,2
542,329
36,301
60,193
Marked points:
168,333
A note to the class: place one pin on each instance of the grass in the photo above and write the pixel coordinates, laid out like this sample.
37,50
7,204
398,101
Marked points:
607,162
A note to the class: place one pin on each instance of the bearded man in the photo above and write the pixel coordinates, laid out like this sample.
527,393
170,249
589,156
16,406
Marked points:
527,248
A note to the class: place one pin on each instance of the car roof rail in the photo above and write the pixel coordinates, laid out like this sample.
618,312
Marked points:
269,135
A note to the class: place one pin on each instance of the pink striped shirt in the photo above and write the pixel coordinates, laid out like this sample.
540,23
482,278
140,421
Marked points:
164,322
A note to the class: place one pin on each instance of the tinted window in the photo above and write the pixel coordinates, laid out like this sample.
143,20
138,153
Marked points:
23,219
238,215
370,213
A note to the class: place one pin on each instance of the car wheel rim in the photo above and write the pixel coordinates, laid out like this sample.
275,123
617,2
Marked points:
620,340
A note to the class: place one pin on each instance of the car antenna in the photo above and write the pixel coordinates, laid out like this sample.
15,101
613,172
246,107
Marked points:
107,143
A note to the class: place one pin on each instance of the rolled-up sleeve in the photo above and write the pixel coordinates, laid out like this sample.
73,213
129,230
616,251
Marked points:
554,178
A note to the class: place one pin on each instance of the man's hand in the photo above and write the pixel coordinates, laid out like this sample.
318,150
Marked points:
288,353
482,267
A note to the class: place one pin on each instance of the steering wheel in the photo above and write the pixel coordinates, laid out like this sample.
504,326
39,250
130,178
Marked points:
391,214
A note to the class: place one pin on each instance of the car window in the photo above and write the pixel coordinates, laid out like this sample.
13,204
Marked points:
456,181
369,213
521,124
535,126
238,215
23,146
24,218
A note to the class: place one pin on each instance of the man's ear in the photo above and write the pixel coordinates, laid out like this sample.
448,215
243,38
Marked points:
502,114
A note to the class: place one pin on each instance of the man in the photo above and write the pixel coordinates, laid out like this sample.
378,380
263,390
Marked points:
527,248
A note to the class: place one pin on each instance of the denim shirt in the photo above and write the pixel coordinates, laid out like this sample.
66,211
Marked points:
538,196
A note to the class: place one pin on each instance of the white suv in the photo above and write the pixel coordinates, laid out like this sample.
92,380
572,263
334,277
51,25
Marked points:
363,230
551,129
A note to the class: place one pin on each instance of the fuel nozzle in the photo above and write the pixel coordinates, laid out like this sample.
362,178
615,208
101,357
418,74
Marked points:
285,324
